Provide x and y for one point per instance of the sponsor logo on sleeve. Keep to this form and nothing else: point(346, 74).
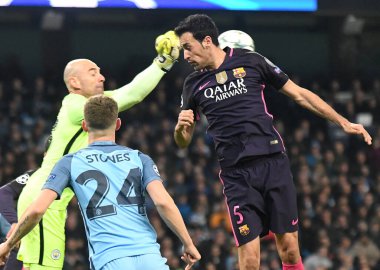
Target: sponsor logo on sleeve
point(51, 176)
point(22, 179)
point(156, 170)
point(276, 68)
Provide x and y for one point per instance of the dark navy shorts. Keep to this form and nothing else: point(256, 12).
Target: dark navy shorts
point(260, 196)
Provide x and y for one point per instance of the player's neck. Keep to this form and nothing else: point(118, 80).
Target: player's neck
point(218, 57)
point(96, 138)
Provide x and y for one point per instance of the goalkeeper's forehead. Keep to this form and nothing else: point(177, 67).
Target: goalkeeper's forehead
point(81, 66)
point(87, 65)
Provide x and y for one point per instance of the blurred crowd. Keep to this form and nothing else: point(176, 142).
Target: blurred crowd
point(336, 176)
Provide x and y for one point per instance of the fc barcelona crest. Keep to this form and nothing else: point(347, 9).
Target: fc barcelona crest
point(221, 77)
point(244, 230)
point(239, 72)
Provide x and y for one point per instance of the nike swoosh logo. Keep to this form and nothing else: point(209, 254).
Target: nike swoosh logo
point(294, 222)
point(204, 85)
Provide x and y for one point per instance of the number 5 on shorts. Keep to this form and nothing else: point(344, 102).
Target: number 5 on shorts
point(236, 213)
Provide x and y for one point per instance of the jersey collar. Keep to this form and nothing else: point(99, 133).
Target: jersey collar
point(100, 143)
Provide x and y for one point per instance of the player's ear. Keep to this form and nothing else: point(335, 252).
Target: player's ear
point(74, 83)
point(84, 126)
point(118, 124)
point(207, 41)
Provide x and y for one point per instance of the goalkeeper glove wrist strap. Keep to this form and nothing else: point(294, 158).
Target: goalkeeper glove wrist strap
point(165, 62)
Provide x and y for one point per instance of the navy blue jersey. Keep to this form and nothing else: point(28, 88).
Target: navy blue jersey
point(232, 99)
point(9, 194)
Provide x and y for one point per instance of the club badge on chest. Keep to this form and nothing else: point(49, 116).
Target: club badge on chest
point(221, 77)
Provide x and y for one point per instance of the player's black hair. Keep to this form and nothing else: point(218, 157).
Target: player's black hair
point(200, 25)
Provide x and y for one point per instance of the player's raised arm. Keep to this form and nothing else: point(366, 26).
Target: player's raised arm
point(167, 47)
point(315, 104)
point(172, 217)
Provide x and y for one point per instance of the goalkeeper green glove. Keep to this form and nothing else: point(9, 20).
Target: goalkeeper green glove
point(167, 47)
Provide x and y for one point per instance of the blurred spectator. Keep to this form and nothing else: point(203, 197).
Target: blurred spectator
point(219, 217)
point(366, 251)
point(318, 260)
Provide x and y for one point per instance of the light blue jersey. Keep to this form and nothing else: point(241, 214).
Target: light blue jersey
point(4, 226)
point(109, 181)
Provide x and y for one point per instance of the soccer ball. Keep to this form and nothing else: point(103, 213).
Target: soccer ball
point(236, 39)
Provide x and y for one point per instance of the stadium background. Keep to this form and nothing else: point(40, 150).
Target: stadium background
point(334, 51)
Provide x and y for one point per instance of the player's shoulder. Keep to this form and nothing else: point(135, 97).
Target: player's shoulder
point(260, 58)
point(193, 80)
point(253, 59)
point(24, 178)
point(68, 157)
point(123, 148)
point(30, 172)
point(73, 99)
point(64, 163)
point(109, 93)
point(127, 149)
point(143, 156)
point(192, 77)
point(246, 54)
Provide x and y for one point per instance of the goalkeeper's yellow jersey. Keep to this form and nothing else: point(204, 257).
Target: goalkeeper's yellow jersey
point(68, 136)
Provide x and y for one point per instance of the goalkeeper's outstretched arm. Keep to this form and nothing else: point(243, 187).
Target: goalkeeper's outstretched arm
point(167, 47)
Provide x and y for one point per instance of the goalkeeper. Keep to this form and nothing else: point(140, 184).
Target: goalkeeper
point(44, 246)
